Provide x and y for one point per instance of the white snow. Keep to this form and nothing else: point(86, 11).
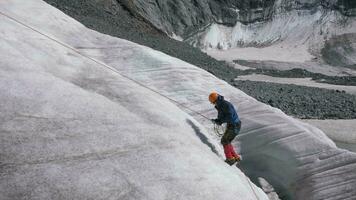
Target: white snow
point(283, 53)
point(176, 37)
point(72, 129)
point(284, 62)
point(297, 81)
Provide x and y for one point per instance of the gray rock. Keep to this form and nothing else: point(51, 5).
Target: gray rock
point(173, 16)
point(184, 17)
point(340, 51)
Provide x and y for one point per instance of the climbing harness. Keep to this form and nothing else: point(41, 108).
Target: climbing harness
point(218, 129)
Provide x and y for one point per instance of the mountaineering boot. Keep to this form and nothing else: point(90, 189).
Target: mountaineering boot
point(231, 156)
point(233, 153)
point(231, 161)
point(238, 157)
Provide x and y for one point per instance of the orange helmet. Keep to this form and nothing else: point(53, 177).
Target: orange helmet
point(213, 97)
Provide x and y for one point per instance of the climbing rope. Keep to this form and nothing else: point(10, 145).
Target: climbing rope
point(254, 192)
point(102, 64)
point(217, 128)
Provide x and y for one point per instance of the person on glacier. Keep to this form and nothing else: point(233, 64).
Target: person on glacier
point(227, 114)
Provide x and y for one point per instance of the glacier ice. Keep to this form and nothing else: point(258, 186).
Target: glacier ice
point(72, 129)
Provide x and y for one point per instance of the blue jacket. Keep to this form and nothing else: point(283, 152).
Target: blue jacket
point(226, 112)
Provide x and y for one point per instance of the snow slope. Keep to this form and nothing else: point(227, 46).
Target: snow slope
point(297, 81)
point(71, 128)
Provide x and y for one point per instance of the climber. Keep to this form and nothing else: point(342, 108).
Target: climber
point(227, 114)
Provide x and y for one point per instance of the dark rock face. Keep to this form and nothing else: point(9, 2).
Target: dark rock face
point(184, 17)
point(255, 10)
point(340, 51)
point(347, 7)
point(172, 16)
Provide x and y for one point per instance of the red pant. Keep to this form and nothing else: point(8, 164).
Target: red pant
point(230, 152)
point(229, 135)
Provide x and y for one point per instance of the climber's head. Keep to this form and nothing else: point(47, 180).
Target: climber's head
point(213, 97)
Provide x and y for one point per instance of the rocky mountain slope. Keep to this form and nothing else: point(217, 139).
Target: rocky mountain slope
point(184, 17)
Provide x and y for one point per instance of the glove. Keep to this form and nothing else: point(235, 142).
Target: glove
point(216, 121)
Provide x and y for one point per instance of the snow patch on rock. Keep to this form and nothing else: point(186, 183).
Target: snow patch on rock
point(293, 36)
